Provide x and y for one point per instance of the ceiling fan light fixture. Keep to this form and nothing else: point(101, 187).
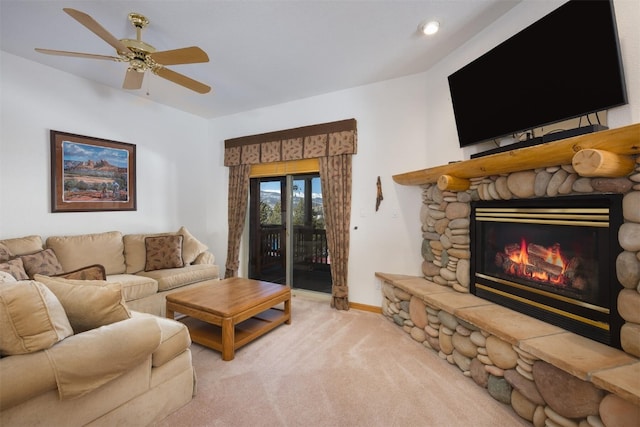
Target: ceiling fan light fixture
point(429, 28)
point(138, 65)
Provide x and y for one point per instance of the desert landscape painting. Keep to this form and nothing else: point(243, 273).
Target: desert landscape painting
point(93, 173)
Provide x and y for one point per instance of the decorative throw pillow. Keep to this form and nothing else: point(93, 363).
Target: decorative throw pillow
point(89, 303)
point(5, 253)
point(163, 252)
point(6, 277)
point(43, 262)
point(135, 251)
point(191, 247)
point(91, 272)
point(15, 268)
point(31, 318)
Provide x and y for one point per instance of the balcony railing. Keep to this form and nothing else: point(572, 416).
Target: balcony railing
point(309, 246)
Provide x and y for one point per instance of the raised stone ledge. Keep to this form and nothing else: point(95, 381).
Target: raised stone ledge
point(607, 368)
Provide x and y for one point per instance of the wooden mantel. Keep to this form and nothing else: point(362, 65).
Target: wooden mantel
point(606, 153)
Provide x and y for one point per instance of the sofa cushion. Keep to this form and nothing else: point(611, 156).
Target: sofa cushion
point(135, 252)
point(74, 252)
point(5, 253)
point(175, 338)
point(134, 286)
point(31, 318)
point(175, 277)
point(91, 272)
point(89, 303)
point(15, 267)
point(163, 252)
point(44, 262)
point(24, 245)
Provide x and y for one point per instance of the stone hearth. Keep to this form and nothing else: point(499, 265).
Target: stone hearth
point(514, 356)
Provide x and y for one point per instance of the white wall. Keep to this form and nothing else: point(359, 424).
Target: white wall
point(628, 19)
point(440, 115)
point(391, 139)
point(169, 147)
point(403, 125)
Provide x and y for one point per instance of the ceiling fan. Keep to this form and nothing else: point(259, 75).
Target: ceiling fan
point(140, 55)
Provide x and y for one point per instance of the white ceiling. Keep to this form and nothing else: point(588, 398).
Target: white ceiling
point(261, 53)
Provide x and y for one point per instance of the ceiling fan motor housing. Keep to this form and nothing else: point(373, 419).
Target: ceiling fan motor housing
point(138, 56)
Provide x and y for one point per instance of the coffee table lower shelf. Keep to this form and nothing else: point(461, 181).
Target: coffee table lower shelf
point(210, 335)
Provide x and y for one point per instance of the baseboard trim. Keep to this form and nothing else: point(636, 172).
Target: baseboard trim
point(327, 297)
point(365, 307)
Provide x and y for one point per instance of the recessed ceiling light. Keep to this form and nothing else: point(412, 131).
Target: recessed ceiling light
point(430, 28)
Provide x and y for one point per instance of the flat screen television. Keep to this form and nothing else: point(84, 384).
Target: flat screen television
point(563, 66)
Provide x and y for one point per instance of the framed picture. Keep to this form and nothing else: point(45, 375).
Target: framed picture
point(91, 174)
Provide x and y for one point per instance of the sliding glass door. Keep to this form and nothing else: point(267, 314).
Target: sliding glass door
point(288, 243)
point(311, 264)
point(267, 233)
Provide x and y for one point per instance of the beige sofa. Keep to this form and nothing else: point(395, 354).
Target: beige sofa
point(77, 350)
point(125, 260)
point(69, 363)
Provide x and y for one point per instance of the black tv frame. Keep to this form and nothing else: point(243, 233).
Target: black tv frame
point(467, 84)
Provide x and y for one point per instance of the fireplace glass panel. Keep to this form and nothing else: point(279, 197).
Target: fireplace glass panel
point(562, 260)
point(552, 259)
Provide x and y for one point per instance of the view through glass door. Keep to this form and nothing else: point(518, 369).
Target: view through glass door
point(288, 243)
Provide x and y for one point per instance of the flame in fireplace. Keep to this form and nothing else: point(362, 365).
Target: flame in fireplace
point(530, 266)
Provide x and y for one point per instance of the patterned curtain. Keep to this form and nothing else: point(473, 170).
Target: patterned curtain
point(335, 177)
point(238, 195)
point(333, 144)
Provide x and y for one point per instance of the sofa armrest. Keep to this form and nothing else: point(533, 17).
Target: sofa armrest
point(23, 377)
point(86, 361)
point(205, 257)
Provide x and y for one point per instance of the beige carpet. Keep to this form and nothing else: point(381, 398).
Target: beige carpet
point(336, 368)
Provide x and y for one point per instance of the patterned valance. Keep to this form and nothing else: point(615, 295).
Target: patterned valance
point(308, 142)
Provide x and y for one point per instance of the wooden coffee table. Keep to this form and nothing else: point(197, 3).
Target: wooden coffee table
point(227, 314)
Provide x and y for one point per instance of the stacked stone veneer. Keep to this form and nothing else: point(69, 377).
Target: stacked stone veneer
point(537, 391)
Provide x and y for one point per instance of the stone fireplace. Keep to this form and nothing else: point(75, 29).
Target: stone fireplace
point(549, 374)
point(551, 258)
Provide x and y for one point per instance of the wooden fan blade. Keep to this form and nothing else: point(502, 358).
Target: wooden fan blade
point(187, 55)
point(93, 26)
point(182, 80)
point(77, 54)
point(133, 79)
